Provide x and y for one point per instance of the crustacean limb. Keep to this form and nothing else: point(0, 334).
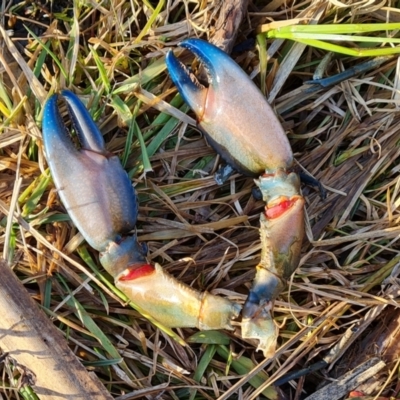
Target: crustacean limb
point(101, 202)
point(241, 126)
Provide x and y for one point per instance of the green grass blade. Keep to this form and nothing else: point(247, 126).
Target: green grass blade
point(344, 38)
point(15, 112)
point(103, 73)
point(89, 324)
point(199, 166)
point(98, 334)
point(209, 337)
point(52, 55)
point(5, 98)
point(47, 293)
point(334, 28)
point(102, 363)
point(4, 110)
point(130, 119)
point(163, 118)
point(355, 52)
point(35, 192)
point(126, 116)
point(27, 393)
point(39, 64)
point(151, 20)
point(145, 157)
point(143, 77)
point(204, 362)
point(169, 125)
point(316, 36)
point(54, 218)
point(243, 366)
point(123, 111)
point(262, 51)
point(128, 143)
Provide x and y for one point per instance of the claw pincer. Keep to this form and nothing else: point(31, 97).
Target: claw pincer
point(101, 201)
point(241, 126)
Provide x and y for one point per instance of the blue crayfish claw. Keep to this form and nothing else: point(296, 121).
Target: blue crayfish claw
point(102, 204)
point(92, 184)
point(241, 126)
point(231, 111)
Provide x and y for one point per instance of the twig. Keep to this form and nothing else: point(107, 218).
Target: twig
point(349, 381)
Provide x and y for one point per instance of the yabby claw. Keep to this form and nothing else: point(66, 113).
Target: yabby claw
point(231, 111)
point(101, 201)
point(241, 126)
point(91, 182)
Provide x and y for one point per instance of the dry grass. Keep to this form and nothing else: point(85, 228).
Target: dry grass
point(344, 294)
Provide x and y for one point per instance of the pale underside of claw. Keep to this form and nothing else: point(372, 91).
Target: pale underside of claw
point(233, 113)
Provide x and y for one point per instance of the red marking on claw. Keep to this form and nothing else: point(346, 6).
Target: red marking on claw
point(279, 209)
point(356, 393)
point(133, 273)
